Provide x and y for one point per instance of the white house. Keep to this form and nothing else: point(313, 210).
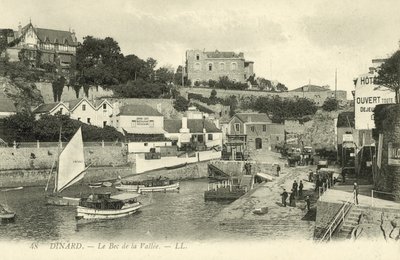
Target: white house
point(96, 112)
point(138, 119)
point(51, 109)
point(199, 133)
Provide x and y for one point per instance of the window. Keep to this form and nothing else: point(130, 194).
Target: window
point(252, 128)
point(88, 120)
point(264, 128)
point(104, 123)
point(277, 138)
point(61, 110)
point(104, 106)
point(83, 107)
point(146, 144)
point(151, 123)
point(210, 66)
point(142, 121)
point(237, 127)
point(221, 66)
point(197, 57)
point(197, 66)
point(79, 119)
point(210, 137)
point(233, 66)
point(133, 123)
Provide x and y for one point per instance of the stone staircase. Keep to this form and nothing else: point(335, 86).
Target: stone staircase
point(350, 221)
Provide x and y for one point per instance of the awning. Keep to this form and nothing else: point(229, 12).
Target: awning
point(265, 176)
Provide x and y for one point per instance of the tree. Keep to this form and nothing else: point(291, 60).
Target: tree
point(20, 126)
point(389, 75)
point(165, 75)
point(97, 61)
point(281, 87)
point(58, 87)
point(181, 104)
point(330, 104)
point(213, 94)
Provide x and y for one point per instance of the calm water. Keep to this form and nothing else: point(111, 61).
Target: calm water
point(183, 215)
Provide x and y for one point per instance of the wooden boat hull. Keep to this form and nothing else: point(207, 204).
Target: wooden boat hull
point(129, 188)
point(223, 195)
point(7, 216)
point(62, 201)
point(84, 213)
point(171, 187)
point(175, 166)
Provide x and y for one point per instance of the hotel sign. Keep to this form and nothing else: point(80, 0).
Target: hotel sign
point(367, 96)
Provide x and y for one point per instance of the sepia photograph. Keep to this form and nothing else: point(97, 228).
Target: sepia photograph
point(198, 129)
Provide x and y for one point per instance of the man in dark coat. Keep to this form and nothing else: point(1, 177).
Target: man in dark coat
point(355, 191)
point(278, 170)
point(284, 197)
point(301, 189)
point(292, 201)
point(294, 188)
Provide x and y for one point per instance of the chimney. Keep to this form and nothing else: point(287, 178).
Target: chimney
point(184, 128)
point(19, 29)
point(73, 35)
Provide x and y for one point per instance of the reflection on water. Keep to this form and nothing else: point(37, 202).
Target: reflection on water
point(183, 215)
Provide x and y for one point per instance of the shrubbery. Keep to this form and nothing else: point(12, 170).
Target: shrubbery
point(24, 128)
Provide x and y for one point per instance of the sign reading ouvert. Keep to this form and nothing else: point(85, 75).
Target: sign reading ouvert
point(367, 96)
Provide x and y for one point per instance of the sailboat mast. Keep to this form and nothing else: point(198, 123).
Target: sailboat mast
point(58, 161)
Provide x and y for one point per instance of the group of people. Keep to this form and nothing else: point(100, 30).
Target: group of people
point(296, 192)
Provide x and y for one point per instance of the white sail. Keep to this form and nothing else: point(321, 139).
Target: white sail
point(71, 163)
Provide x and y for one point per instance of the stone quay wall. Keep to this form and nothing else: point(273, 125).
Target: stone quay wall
point(39, 177)
point(190, 171)
point(236, 168)
point(43, 157)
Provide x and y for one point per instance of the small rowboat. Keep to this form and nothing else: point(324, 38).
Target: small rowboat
point(6, 215)
point(95, 185)
point(261, 211)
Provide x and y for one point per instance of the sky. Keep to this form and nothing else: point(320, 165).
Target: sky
point(294, 42)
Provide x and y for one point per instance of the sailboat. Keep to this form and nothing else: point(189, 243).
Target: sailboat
point(71, 169)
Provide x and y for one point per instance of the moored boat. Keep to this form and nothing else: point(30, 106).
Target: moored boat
point(158, 185)
point(6, 214)
point(104, 206)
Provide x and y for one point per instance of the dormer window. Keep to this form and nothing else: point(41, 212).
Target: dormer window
point(210, 66)
point(197, 57)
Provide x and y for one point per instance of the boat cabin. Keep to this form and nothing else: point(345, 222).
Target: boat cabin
point(106, 201)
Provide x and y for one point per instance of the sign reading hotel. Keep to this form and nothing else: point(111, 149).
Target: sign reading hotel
point(367, 96)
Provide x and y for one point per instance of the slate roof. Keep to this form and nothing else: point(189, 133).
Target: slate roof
point(6, 104)
point(195, 126)
point(138, 110)
point(53, 36)
point(309, 88)
point(253, 117)
point(45, 108)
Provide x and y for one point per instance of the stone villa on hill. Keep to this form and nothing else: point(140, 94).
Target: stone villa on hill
point(204, 66)
point(43, 46)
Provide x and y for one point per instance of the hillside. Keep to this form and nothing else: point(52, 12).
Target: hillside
point(24, 94)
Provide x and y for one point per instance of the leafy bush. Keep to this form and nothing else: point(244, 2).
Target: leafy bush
point(181, 104)
point(330, 104)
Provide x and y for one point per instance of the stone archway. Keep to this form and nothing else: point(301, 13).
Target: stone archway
point(258, 143)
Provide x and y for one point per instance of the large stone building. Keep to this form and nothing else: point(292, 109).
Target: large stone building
point(202, 66)
point(39, 46)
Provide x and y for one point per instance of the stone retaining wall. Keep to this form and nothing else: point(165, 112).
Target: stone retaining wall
point(43, 158)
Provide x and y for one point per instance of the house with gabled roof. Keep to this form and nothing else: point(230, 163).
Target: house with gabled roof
point(51, 109)
point(41, 46)
point(7, 107)
point(137, 119)
point(247, 132)
point(199, 134)
point(96, 112)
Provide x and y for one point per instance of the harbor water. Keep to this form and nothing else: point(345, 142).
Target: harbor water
point(165, 216)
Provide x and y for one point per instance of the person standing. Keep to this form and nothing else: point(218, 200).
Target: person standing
point(310, 176)
point(308, 203)
point(294, 187)
point(284, 197)
point(355, 191)
point(301, 189)
point(292, 201)
point(278, 170)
